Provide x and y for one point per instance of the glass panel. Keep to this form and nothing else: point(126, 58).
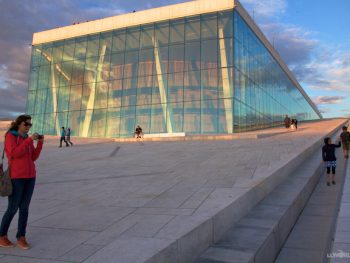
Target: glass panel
point(63, 99)
point(61, 119)
point(193, 56)
point(113, 123)
point(175, 116)
point(193, 28)
point(115, 93)
point(209, 55)
point(75, 96)
point(144, 90)
point(93, 46)
point(131, 64)
point(38, 123)
point(44, 76)
point(147, 36)
point(57, 52)
point(158, 118)
point(161, 60)
point(129, 92)
point(90, 72)
point(143, 118)
point(51, 100)
point(192, 86)
point(177, 31)
point(106, 42)
point(209, 26)
point(146, 62)
point(160, 87)
point(65, 73)
point(225, 52)
point(68, 50)
point(127, 122)
point(49, 126)
point(192, 117)
point(46, 54)
point(209, 84)
point(175, 87)
point(225, 112)
point(209, 116)
point(119, 38)
point(40, 101)
point(74, 120)
point(33, 78)
point(98, 123)
point(78, 72)
point(30, 102)
point(225, 83)
point(162, 33)
point(176, 58)
point(225, 24)
point(36, 56)
point(101, 95)
point(133, 38)
point(117, 65)
point(80, 48)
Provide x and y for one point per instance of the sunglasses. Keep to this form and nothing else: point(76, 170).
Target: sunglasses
point(26, 124)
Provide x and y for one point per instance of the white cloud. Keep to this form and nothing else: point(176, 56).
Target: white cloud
point(266, 8)
point(326, 100)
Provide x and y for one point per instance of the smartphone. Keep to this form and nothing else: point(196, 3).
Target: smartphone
point(40, 136)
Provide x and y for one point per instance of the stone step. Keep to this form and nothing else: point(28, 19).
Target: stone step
point(259, 236)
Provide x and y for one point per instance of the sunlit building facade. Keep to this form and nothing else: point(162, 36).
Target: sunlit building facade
point(207, 70)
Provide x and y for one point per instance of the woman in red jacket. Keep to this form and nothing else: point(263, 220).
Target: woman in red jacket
point(21, 155)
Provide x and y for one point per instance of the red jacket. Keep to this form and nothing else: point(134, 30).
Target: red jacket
point(21, 155)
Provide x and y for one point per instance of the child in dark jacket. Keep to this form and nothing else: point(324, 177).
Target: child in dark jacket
point(328, 156)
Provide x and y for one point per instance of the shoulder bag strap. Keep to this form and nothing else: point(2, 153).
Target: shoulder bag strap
point(3, 150)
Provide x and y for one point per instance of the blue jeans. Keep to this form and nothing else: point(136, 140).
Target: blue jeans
point(20, 199)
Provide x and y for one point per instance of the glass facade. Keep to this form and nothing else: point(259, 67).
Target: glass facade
point(206, 74)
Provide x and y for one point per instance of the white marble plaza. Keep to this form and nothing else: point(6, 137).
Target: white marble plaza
point(103, 201)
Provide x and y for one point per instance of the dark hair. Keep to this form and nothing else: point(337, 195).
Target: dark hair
point(326, 140)
point(15, 124)
point(344, 128)
point(62, 127)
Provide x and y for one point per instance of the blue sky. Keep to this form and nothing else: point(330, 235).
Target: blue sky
point(312, 37)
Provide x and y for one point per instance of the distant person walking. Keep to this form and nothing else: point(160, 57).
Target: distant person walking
point(345, 139)
point(63, 137)
point(328, 156)
point(296, 124)
point(21, 155)
point(287, 122)
point(68, 137)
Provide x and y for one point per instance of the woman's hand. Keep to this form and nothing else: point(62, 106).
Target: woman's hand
point(35, 136)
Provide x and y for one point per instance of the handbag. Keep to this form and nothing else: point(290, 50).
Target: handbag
point(5, 178)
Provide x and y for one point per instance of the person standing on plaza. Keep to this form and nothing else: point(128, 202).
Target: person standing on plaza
point(21, 155)
point(345, 139)
point(328, 156)
point(296, 124)
point(63, 137)
point(287, 122)
point(68, 137)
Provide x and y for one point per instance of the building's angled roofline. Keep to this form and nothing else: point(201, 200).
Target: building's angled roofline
point(244, 14)
point(162, 14)
point(133, 19)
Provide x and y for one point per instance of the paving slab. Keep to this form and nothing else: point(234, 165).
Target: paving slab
point(48, 243)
